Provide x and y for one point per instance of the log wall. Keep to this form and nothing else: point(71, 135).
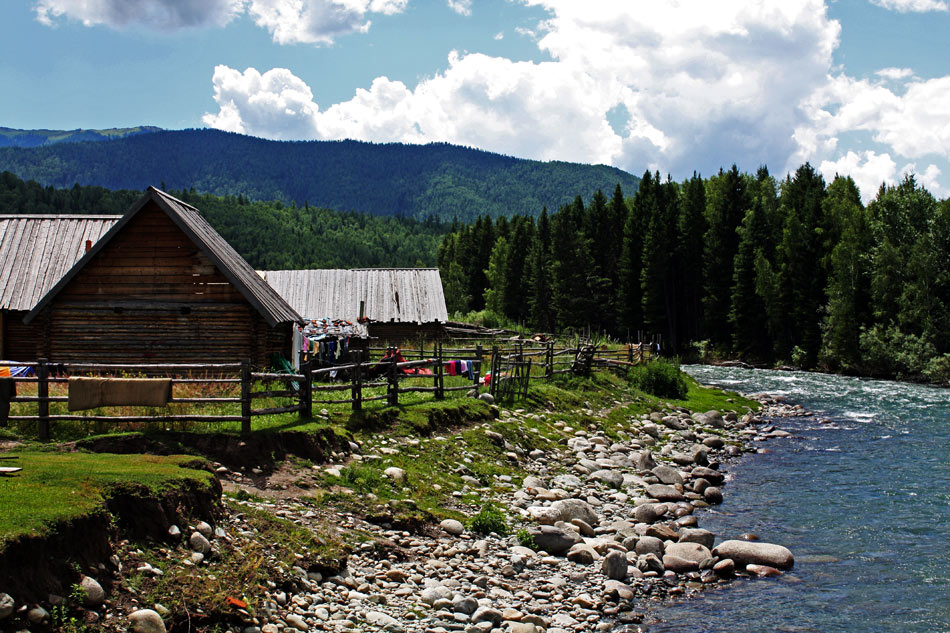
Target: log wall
point(151, 295)
point(19, 341)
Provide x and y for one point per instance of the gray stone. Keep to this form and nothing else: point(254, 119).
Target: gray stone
point(174, 532)
point(668, 475)
point(520, 627)
point(649, 545)
point(614, 565)
point(644, 460)
point(649, 512)
point(146, 621)
point(679, 565)
point(582, 554)
point(689, 551)
point(6, 605)
point(205, 529)
point(568, 482)
point(398, 475)
point(726, 568)
point(554, 540)
point(453, 527)
point(380, 619)
point(712, 495)
point(37, 615)
point(616, 590)
point(92, 592)
point(487, 398)
point(714, 442)
point(545, 515)
point(464, 604)
point(762, 571)
point(650, 562)
point(431, 594)
point(663, 492)
point(199, 543)
point(749, 553)
point(487, 614)
point(297, 622)
point(570, 509)
point(610, 477)
point(713, 476)
point(703, 537)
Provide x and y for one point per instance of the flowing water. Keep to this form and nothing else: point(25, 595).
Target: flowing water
point(862, 500)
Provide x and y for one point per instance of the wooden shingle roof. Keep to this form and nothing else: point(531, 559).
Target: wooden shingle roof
point(37, 250)
point(402, 295)
point(234, 267)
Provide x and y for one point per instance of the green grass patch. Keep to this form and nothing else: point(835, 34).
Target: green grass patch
point(56, 487)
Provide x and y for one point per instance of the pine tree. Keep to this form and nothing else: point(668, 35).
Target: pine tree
point(540, 308)
point(689, 258)
point(726, 204)
point(658, 294)
point(631, 260)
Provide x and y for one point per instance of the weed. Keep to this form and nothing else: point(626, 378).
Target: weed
point(660, 378)
point(526, 539)
point(489, 519)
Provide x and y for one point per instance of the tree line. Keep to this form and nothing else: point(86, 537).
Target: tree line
point(736, 265)
point(269, 235)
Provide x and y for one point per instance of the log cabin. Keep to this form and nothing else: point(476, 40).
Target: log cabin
point(162, 286)
point(35, 252)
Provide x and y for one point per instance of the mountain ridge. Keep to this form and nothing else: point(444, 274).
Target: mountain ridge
point(434, 180)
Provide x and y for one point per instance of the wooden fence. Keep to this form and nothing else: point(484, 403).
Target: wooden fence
point(512, 366)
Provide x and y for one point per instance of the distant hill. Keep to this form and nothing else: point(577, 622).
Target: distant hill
point(10, 137)
point(436, 180)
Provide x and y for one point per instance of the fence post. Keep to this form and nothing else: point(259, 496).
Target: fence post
point(479, 352)
point(357, 393)
point(493, 384)
point(245, 396)
point(392, 388)
point(306, 390)
point(439, 374)
point(42, 391)
point(549, 360)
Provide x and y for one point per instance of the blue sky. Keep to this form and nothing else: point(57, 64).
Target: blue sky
point(853, 86)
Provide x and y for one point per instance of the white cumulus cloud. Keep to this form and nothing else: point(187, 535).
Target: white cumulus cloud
point(462, 7)
point(288, 21)
point(916, 6)
point(160, 14)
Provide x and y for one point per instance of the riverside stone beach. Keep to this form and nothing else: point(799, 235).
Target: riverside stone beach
point(859, 493)
point(604, 525)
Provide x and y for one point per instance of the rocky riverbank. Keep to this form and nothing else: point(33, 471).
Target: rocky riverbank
point(599, 527)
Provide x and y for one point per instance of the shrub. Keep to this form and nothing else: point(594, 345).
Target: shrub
point(525, 539)
point(660, 378)
point(489, 519)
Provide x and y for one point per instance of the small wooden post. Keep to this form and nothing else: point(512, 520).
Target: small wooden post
point(493, 385)
point(42, 391)
point(439, 373)
point(245, 396)
point(549, 360)
point(357, 392)
point(477, 370)
point(306, 391)
point(392, 389)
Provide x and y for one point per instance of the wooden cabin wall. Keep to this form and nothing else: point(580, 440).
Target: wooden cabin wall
point(151, 296)
point(20, 341)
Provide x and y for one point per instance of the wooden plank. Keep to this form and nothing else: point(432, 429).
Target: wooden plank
point(7, 470)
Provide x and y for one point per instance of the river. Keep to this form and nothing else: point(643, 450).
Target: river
point(862, 500)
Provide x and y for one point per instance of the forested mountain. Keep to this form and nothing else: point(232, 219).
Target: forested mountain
point(440, 180)
point(739, 265)
point(270, 235)
point(10, 137)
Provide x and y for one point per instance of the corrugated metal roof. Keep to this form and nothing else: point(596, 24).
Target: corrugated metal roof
point(234, 267)
point(406, 295)
point(37, 250)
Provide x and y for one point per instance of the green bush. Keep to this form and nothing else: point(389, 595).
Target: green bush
point(526, 539)
point(660, 378)
point(489, 519)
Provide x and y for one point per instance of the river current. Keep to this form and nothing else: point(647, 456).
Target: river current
point(862, 500)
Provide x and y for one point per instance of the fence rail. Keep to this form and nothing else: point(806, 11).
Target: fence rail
point(511, 367)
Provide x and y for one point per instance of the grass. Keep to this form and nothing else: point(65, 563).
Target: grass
point(56, 487)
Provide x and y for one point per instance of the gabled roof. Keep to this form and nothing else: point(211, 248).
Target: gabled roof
point(37, 250)
point(404, 295)
point(235, 269)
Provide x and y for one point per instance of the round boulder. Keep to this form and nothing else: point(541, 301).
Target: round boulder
point(570, 509)
point(452, 527)
point(755, 553)
point(146, 621)
point(614, 565)
point(92, 592)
